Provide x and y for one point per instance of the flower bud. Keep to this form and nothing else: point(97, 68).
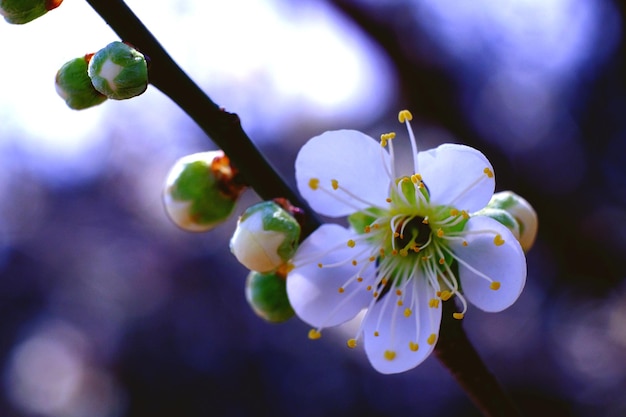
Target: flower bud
point(74, 85)
point(119, 71)
point(200, 191)
point(266, 237)
point(267, 295)
point(523, 213)
point(23, 11)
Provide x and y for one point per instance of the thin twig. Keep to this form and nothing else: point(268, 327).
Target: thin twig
point(222, 127)
point(455, 352)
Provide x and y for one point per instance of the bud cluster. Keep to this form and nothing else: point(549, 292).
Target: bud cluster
point(118, 71)
point(19, 12)
point(265, 240)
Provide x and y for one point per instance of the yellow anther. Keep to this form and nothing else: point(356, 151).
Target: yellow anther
point(454, 212)
point(375, 294)
point(335, 184)
point(314, 183)
point(433, 303)
point(382, 251)
point(400, 303)
point(425, 221)
point(367, 229)
point(314, 334)
point(376, 334)
point(445, 295)
point(416, 249)
point(360, 279)
point(386, 137)
point(341, 290)
point(465, 214)
point(404, 116)
point(396, 234)
point(413, 346)
point(440, 232)
point(442, 261)
point(390, 355)
point(376, 226)
point(384, 281)
point(351, 343)
point(394, 252)
point(498, 241)
point(488, 172)
point(404, 252)
point(351, 243)
point(495, 285)
point(432, 339)
point(369, 288)
point(438, 293)
point(398, 293)
point(371, 258)
point(407, 312)
point(354, 262)
point(465, 243)
point(458, 316)
point(320, 265)
point(388, 200)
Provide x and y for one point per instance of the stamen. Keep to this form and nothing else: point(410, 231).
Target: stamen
point(314, 334)
point(314, 183)
point(458, 316)
point(413, 346)
point(495, 285)
point(351, 343)
point(488, 172)
point(351, 243)
point(404, 116)
point(432, 339)
point(390, 355)
point(407, 312)
point(498, 241)
point(334, 184)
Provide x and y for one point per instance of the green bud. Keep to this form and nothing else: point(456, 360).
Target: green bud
point(74, 85)
point(119, 71)
point(522, 212)
point(200, 191)
point(23, 11)
point(266, 237)
point(267, 295)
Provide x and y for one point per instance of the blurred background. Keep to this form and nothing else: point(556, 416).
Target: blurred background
point(108, 310)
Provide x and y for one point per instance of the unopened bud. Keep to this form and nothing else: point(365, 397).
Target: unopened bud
point(201, 191)
point(267, 295)
point(523, 213)
point(119, 71)
point(266, 237)
point(74, 85)
point(23, 11)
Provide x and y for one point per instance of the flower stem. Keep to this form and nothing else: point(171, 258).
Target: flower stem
point(222, 127)
point(455, 351)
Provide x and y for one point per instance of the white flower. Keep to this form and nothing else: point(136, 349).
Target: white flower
point(412, 243)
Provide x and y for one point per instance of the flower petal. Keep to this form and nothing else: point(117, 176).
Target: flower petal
point(314, 292)
point(457, 175)
point(351, 158)
point(500, 259)
point(403, 339)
